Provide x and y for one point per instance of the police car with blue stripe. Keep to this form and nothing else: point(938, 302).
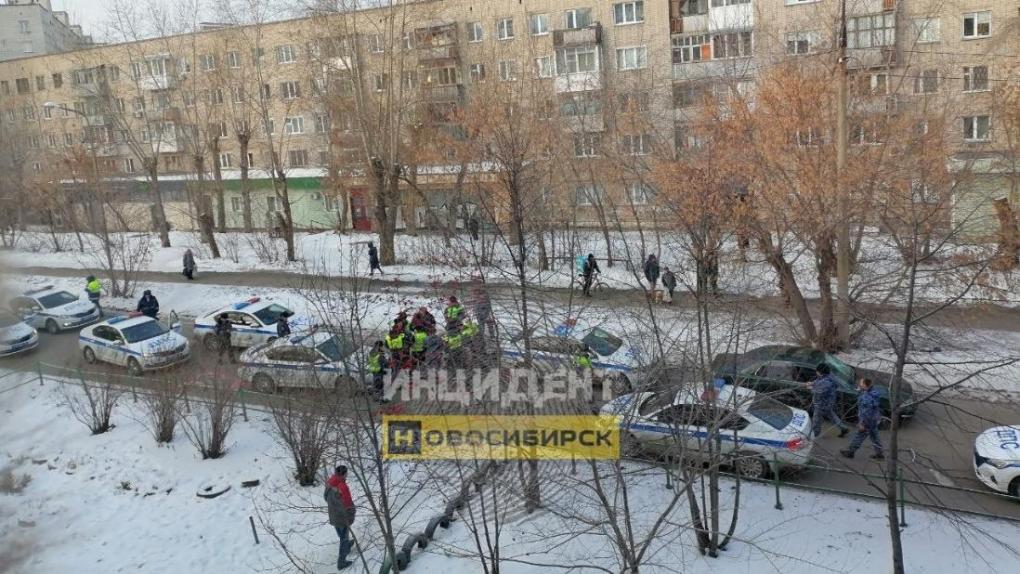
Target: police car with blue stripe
point(314, 360)
point(16, 336)
point(135, 341)
point(997, 459)
point(753, 430)
point(53, 309)
point(254, 322)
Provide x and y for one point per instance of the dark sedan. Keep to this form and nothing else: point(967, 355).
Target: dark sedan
point(783, 371)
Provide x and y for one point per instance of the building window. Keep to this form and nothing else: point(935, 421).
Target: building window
point(23, 86)
point(233, 59)
point(68, 140)
point(235, 204)
point(544, 67)
point(129, 165)
point(634, 102)
point(476, 32)
point(40, 83)
point(879, 84)
point(926, 30)
point(376, 44)
point(586, 144)
point(977, 128)
point(629, 12)
point(927, 82)
point(286, 54)
point(251, 160)
point(799, 43)
point(864, 135)
point(290, 90)
point(297, 158)
point(688, 94)
point(51, 140)
point(271, 203)
point(975, 78)
point(23, 27)
point(631, 58)
point(871, 31)
point(577, 18)
point(323, 156)
point(589, 194)
point(208, 62)
point(636, 144)
point(977, 24)
point(688, 49)
point(807, 137)
point(409, 79)
point(266, 92)
point(5, 88)
point(538, 24)
point(731, 45)
point(215, 97)
point(407, 42)
point(576, 59)
point(294, 125)
point(47, 113)
point(321, 123)
point(221, 130)
point(507, 70)
point(581, 104)
point(29, 112)
point(226, 160)
point(640, 193)
point(505, 29)
point(720, 3)
point(476, 72)
point(380, 81)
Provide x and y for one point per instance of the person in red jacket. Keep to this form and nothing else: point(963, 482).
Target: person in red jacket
point(341, 512)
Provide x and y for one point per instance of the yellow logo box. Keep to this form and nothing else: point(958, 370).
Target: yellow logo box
point(500, 437)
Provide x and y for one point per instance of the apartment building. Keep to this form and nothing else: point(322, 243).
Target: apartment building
point(623, 79)
point(31, 27)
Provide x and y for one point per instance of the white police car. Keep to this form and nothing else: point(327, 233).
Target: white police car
point(134, 341)
point(754, 430)
point(54, 309)
point(16, 336)
point(997, 459)
point(254, 322)
point(317, 360)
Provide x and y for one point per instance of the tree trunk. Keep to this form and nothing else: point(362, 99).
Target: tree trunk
point(243, 140)
point(826, 265)
point(158, 212)
point(221, 207)
point(386, 201)
point(1007, 255)
point(788, 284)
point(283, 196)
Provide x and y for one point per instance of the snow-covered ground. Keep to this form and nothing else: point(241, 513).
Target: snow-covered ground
point(118, 503)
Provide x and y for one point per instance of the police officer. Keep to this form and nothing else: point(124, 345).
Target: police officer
point(454, 313)
point(396, 342)
point(283, 326)
point(148, 305)
point(869, 414)
point(473, 343)
point(94, 289)
point(418, 340)
point(224, 329)
point(582, 361)
point(454, 339)
point(377, 368)
point(588, 271)
point(823, 399)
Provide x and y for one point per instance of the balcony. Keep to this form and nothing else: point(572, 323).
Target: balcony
point(154, 83)
point(579, 82)
point(738, 16)
point(438, 55)
point(578, 37)
point(863, 58)
point(865, 7)
point(588, 123)
point(446, 93)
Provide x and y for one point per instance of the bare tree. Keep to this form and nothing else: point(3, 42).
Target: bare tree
point(208, 426)
point(305, 428)
point(162, 408)
point(92, 404)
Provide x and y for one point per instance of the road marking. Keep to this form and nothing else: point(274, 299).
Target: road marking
point(941, 478)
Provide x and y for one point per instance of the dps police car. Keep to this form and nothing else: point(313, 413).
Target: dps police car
point(135, 341)
point(319, 359)
point(754, 430)
point(997, 459)
point(15, 335)
point(254, 322)
point(53, 309)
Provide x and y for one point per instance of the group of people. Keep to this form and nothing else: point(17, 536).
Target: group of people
point(869, 411)
point(651, 271)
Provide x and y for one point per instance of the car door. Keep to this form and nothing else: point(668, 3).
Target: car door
point(26, 308)
point(282, 366)
point(682, 431)
point(245, 329)
point(777, 379)
point(730, 425)
point(109, 351)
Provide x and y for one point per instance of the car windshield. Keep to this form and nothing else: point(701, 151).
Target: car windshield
point(143, 331)
point(271, 314)
point(774, 413)
point(335, 348)
point(843, 370)
point(602, 342)
point(56, 299)
point(8, 320)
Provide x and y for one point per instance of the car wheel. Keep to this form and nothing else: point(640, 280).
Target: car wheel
point(51, 327)
point(134, 368)
point(1014, 488)
point(629, 446)
point(263, 383)
point(751, 465)
point(89, 355)
point(270, 340)
point(211, 343)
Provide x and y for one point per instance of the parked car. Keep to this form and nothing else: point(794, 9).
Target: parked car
point(254, 323)
point(997, 459)
point(754, 430)
point(54, 309)
point(317, 360)
point(16, 336)
point(134, 341)
point(784, 371)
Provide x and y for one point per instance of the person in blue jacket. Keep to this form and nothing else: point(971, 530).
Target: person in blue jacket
point(869, 414)
point(823, 398)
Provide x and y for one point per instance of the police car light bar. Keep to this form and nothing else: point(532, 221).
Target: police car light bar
point(38, 290)
point(245, 303)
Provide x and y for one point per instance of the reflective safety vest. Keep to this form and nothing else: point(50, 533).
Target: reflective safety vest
point(453, 341)
point(395, 343)
point(583, 361)
point(375, 363)
point(94, 287)
point(419, 342)
point(470, 330)
point(453, 312)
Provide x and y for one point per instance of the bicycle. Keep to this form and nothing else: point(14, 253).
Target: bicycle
point(597, 285)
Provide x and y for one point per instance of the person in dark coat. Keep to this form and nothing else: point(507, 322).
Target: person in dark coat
point(591, 267)
point(340, 506)
point(423, 320)
point(373, 259)
point(148, 305)
point(224, 329)
point(869, 415)
point(283, 326)
point(823, 399)
point(473, 227)
point(652, 270)
point(189, 265)
point(669, 282)
point(483, 311)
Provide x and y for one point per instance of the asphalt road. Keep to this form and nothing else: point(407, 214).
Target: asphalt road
point(937, 444)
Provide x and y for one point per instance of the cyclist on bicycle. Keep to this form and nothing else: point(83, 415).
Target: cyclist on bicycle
point(591, 267)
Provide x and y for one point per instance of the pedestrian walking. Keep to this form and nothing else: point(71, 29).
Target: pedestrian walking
point(669, 282)
point(189, 265)
point(94, 289)
point(823, 399)
point(373, 259)
point(869, 415)
point(591, 267)
point(473, 227)
point(340, 506)
point(483, 311)
point(148, 305)
point(224, 330)
point(652, 270)
point(283, 326)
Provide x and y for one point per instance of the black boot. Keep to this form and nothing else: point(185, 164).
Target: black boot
point(843, 432)
point(878, 456)
point(847, 453)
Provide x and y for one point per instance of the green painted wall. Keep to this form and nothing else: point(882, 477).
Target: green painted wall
point(307, 203)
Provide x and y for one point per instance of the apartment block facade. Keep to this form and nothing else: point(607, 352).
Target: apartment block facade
point(154, 105)
point(31, 27)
